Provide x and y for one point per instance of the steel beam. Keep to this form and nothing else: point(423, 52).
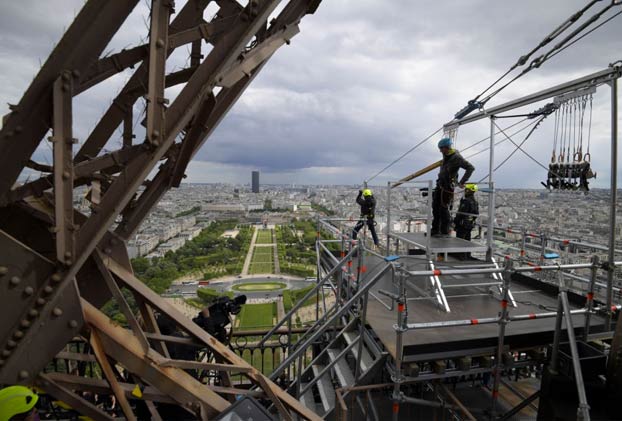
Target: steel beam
point(65, 395)
point(110, 375)
point(195, 331)
point(594, 79)
point(63, 168)
point(134, 88)
point(82, 44)
point(158, 51)
point(122, 346)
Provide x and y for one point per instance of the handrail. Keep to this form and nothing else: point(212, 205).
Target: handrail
point(301, 347)
point(492, 320)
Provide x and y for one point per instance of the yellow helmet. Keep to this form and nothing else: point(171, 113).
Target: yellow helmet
point(367, 192)
point(16, 400)
point(471, 187)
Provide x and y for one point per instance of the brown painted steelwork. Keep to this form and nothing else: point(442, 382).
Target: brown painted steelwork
point(59, 266)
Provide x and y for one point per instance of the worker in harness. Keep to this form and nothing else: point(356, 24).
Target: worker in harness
point(442, 197)
point(367, 202)
point(467, 212)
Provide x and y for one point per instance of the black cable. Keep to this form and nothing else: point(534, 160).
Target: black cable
point(537, 62)
point(403, 155)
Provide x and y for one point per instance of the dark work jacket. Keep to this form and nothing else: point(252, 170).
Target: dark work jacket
point(448, 174)
point(468, 205)
point(368, 205)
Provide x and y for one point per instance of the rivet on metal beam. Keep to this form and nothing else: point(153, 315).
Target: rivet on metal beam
point(11, 344)
point(75, 73)
point(40, 301)
point(107, 250)
point(56, 277)
point(28, 291)
point(18, 334)
point(19, 129)
point(160, 43)
point(72, 324)
point(15, 280)
point(48, 290)
point(66, 175)
point(57, 312)
point(3, 270)
point(6, 353)
point(24, 374)
point(32, 313)
point(24, 323)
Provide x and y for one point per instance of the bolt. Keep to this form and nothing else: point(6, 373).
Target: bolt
point(68, 262)
point(65, 87)
point(19, 129)
point(67, 254)
point(57, 312)
point(3, 270)
point(40, 301)
point(56, 277)
point(72, 324)
point(18, 334)
point(75, 73)
point(11, 344)
point(107, 250)
point(24, 323)
point(29, 291)
point(32, 313)
point(160, 43)
point(24, 374)
point(48, 290)
point(65, 76)
point(15, 280)
point(6, 353)
point(66, 175)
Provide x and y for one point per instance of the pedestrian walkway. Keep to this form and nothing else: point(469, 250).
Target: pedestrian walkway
point(249, 255)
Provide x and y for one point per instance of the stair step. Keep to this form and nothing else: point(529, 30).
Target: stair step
point(342, 370)
point(325, 387)
point(366, 360)
point(307, 399)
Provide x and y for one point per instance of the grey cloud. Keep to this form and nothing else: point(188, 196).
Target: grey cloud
point(361, 83)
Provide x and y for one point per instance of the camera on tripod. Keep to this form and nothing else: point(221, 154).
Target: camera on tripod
point(215, 318)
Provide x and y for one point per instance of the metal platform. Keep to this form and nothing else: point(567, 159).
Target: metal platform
point(467, 303)
point(438, 245)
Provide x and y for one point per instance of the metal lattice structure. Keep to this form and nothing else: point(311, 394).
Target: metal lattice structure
point(59, 266)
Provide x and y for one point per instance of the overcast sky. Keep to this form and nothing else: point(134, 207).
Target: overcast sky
point(363, 82)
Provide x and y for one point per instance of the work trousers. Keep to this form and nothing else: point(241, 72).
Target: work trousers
point(370, 224)
point(442, 199)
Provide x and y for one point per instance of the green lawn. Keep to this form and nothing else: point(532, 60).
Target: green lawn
point(257, 268)
point(264, 236)
point(257, 316)
point(262, 261)
point(259, 286)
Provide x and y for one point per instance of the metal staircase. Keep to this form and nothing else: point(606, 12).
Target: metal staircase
point(338, 351)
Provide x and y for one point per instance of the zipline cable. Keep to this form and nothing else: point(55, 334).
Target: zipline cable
point(403, 155)
point(537, 62)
